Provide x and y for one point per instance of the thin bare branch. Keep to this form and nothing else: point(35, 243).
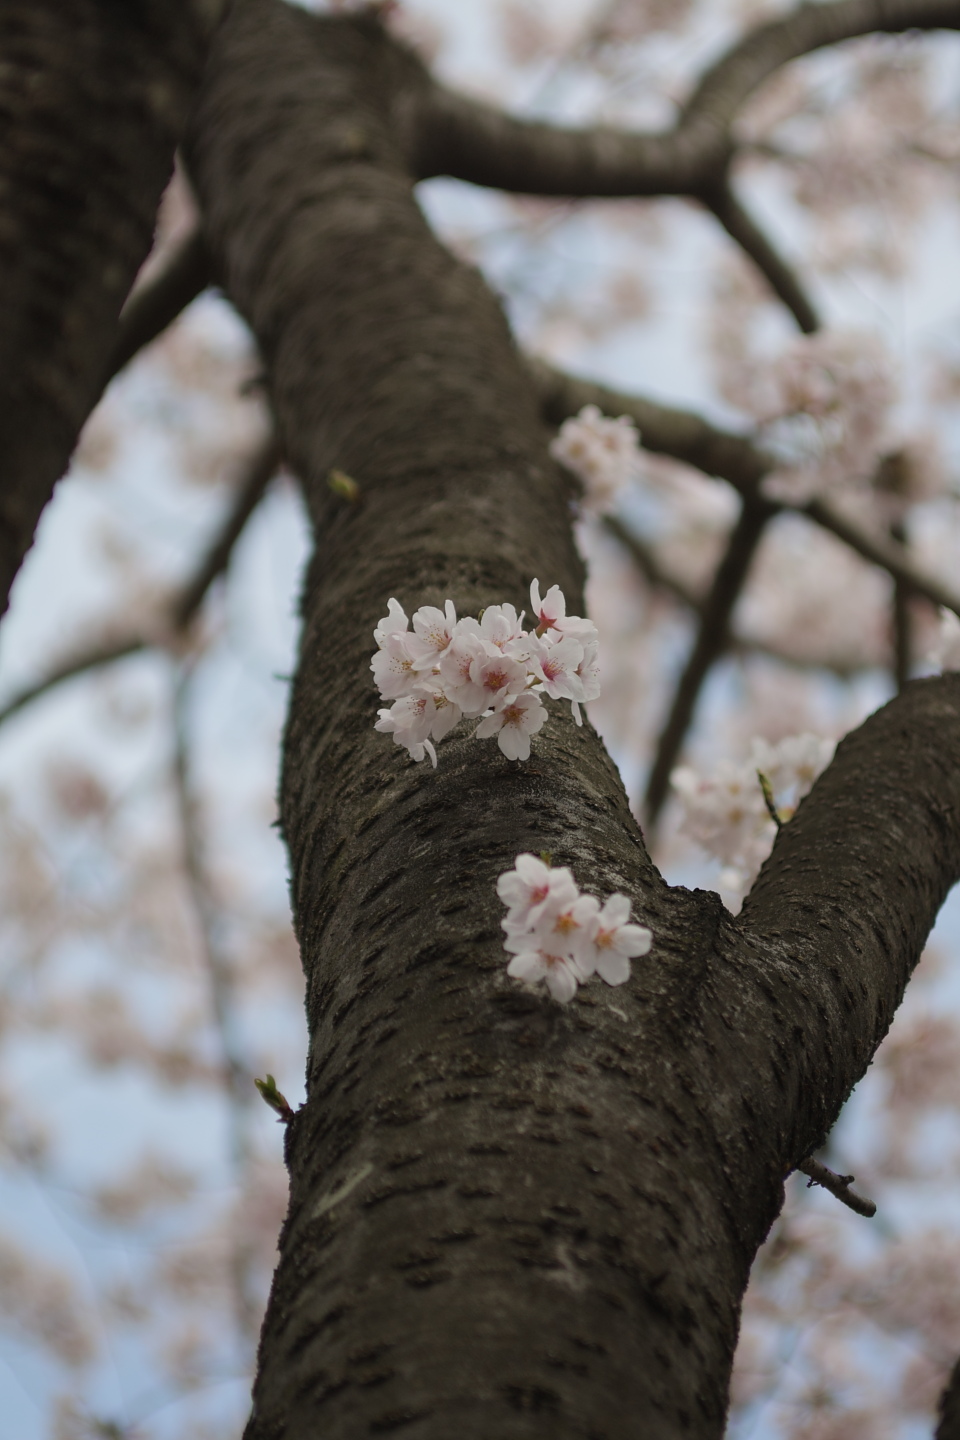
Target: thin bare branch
point(155, 305)
point(473, 141)
point(237, 1074)
point(888, 554)
point(713, 637)
point(654, 572)
point(742, 228)
point(80, 664)
point(261, 466)
point(838, 1185)
point(649, 565)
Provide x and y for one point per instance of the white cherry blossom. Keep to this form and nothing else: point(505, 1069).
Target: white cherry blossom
point(556, 665)
point(521, 717)
point(433, 632)
point(409, 721)
point(394, 622)
point(613, 942)
point(527, 888)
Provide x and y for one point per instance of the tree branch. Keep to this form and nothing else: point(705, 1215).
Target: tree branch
point(260, 468)
point(473, 141)
point(154, 306)
point(838, 1185)
point(236, 1073)
point(742, 228)
point(840, 912)
point(713, 636)
point(664, 429)
point(735, 458)
point(650, 567)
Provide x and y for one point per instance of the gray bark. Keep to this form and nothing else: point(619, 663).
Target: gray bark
point(93, 99)
point(507, 1217)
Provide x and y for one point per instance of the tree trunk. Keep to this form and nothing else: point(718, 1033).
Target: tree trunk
point(93, 99)
point(507, 1217)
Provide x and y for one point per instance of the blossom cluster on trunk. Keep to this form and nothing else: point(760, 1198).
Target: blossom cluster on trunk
point(446, 669)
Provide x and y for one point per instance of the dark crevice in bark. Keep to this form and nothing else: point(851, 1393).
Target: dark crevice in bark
point(93, 97)
point(506, 1217)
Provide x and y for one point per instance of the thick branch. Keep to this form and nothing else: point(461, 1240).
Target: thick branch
point(473, 141)
point(150, 309)
point(93, 97)
point(841, 910)
point(713, 636)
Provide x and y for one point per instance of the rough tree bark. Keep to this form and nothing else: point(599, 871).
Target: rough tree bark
point(93, 99)
point(508, 1217)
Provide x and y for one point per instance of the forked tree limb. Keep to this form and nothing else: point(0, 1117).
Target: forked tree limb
point(474, 141)
point(260, 468)
point(537, 1219)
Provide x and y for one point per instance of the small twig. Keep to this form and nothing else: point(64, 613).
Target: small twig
point(770, 802)
point(648, 564)
point(838, 1185)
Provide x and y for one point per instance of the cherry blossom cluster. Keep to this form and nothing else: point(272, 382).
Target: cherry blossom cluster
point(445, 669)
point(602, 452)
point(825, 405)
point(557, 935)
point(726, 812)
